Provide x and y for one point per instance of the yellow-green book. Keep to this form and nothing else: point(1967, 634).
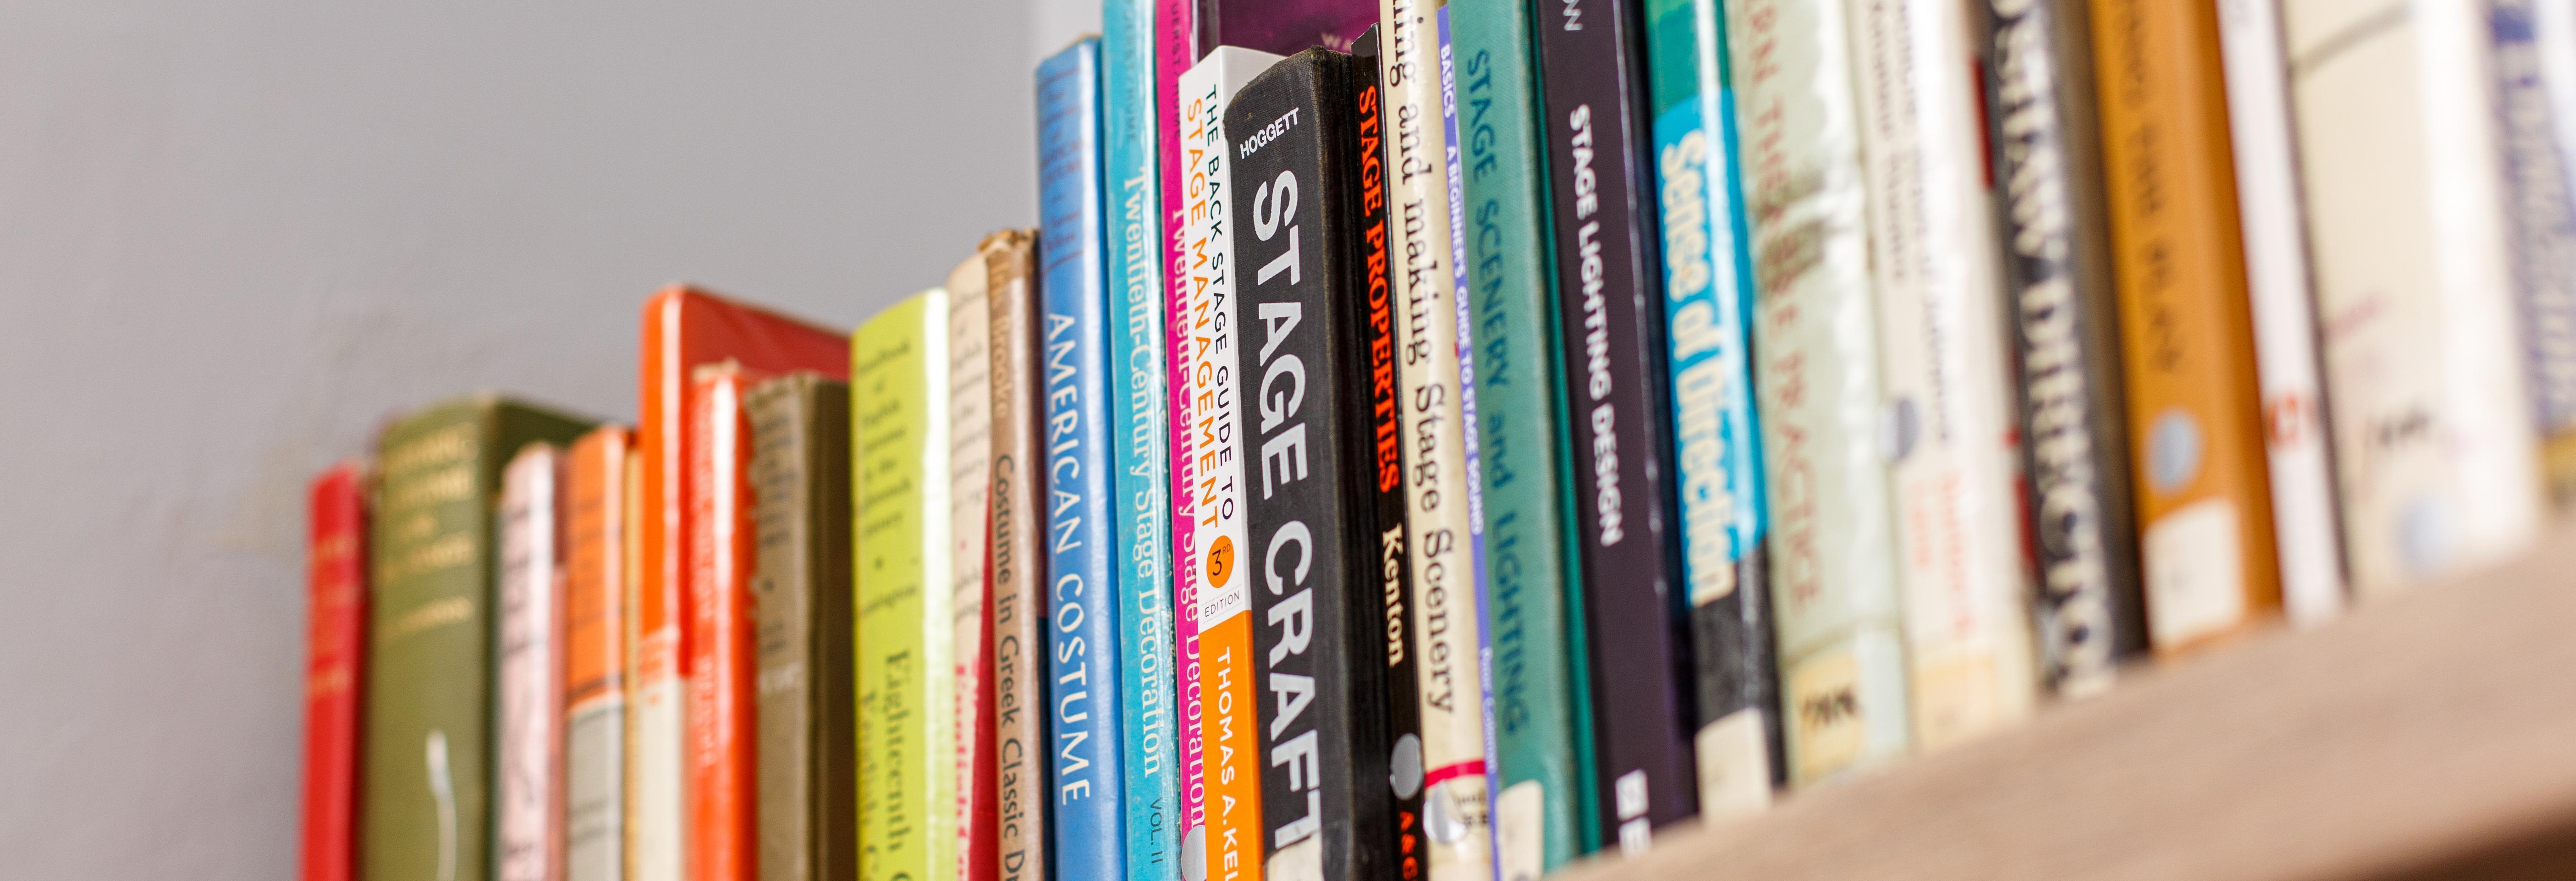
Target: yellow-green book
point(907, 689)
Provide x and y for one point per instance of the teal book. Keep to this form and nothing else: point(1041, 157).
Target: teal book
point(1544, 810)
point(1708, 312)
point(1139, 443)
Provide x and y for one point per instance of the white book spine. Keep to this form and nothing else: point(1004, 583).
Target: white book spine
point(1445, 618)
point(2285, 328)
point(1834, 583)
point(2488, 429)
point(970, 473)
point(1950, 426)
point(528, 776)
point(2396, 136)
point(1218, 498)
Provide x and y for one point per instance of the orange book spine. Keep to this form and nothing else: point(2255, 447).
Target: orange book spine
point(595, 602)
point(1229, 732)
point(2186, 327)
point(722, 785)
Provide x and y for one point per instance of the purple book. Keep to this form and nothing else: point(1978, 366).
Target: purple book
point(1284, 28)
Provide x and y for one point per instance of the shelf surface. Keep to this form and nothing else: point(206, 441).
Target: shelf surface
point(2427, 735)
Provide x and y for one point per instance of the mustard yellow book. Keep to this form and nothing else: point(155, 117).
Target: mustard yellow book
point(907, 688)
point(2204, 500)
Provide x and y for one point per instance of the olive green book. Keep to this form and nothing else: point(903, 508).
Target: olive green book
point(426, 812)
point(805, 759)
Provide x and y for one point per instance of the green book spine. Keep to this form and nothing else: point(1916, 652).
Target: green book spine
point(906, 685)
point(427, 784)
point(1544, 811)
point(800, 587)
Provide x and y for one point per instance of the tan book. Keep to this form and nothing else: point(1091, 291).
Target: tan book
point(1018, 596)
point(806, 776)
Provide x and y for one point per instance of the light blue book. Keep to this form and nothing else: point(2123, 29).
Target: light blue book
point(1082, 535)
point(1139, 422)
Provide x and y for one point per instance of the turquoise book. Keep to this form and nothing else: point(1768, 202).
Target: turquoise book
point(1140, 450)
point(1708, 311)
point(1544, 808)
point(1083, 664)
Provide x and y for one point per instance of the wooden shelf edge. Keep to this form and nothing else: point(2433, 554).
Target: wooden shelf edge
point(2420, 736)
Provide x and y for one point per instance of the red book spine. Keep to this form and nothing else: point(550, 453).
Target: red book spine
point(337, 576)
point(721, 705)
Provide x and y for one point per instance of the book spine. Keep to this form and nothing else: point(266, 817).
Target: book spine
point(2287, 378)
point(1834, 592)
point(1210, 473)
point(2543, 224)
point(1541, 767)
point(2203, 501)
point(1447, 628)
point(427, 791)
point(1321, 738)
point(597, 531)
point(2487, 387)
point(1175, 52)
point(2089, 616)
point(1955, 463)
point(1708, 308)
point(827, 556)
point(782, 604)
point(1463, 342)
point(1594, 81)
point(1384, 493)
point(799, 588)
point(1019, 601)
point(1140, 484)
point(1083, 725)
point(657, 822)
point(720, 705)
point(970, 483)
point(424, 815)
point(631, 807)
point(528, 749)
point(899, 363)
point(336, 642)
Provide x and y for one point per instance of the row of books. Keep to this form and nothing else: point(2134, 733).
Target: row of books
point(1455, 438)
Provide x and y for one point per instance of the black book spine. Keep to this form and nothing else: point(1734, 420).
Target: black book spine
point(2056, 235)
point(1381, 447)
point(1321, 692)
point(1609, 306)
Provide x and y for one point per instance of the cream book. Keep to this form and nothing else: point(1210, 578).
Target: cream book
point(1950, 428)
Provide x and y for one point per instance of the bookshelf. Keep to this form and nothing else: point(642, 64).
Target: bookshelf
point(2430, 735)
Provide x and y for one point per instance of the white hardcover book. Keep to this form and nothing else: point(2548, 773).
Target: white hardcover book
point(1205, 90)
point(656, 839)
point(2397, 140)
point(2304, 527)
point(1950, 428)
point(1834, 575)
point(970, 470)
point(1446, 620)
point(528, 793)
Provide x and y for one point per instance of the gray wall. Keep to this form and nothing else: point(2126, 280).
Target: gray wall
point(235, 235)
